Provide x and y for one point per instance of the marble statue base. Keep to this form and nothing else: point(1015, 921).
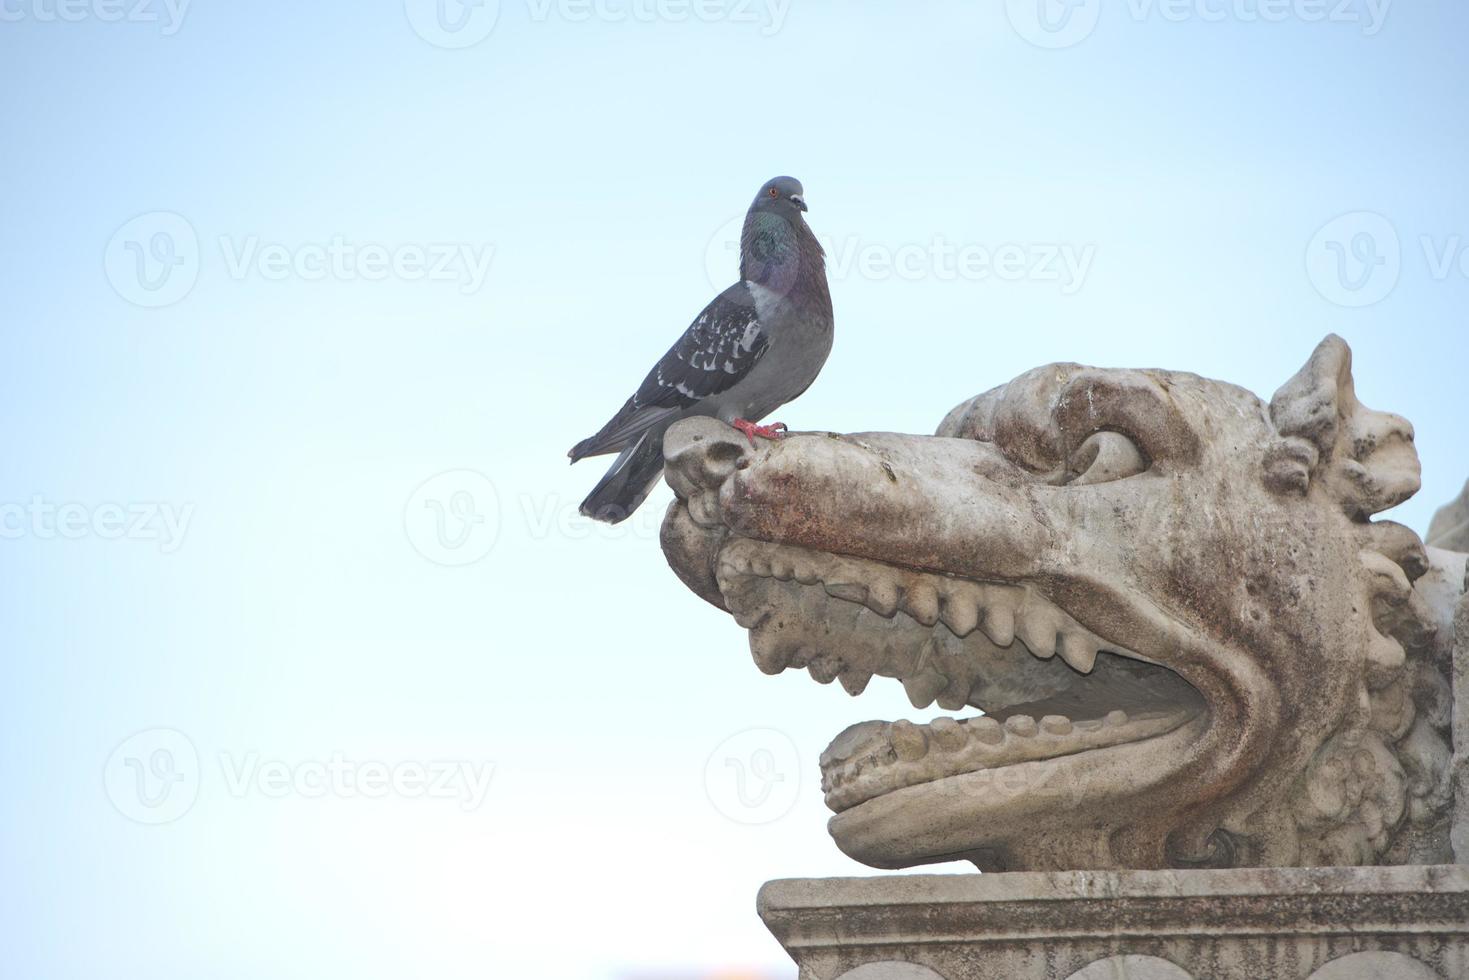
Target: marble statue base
point(1356, 923)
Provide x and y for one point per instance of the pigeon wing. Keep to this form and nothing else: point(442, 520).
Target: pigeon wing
point(718, 349)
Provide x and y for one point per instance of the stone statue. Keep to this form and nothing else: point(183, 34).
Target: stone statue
point(1192, 644)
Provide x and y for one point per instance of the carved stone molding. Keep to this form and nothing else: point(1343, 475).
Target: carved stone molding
point(1397, 923)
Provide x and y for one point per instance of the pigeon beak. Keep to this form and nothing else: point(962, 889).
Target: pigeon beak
point(799, 202)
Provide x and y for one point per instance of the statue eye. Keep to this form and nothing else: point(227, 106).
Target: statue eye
point(1104, 456)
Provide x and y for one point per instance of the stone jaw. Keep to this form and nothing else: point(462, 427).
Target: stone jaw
point(1003, 648)
point(977, 582)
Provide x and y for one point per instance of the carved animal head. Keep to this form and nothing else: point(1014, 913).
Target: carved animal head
point(1190, 643)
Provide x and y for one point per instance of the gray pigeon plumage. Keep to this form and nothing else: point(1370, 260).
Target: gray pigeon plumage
point(760, 344)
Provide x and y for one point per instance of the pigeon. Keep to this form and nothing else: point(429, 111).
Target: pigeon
point(757, 346)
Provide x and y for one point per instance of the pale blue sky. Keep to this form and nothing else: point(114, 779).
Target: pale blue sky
point(286, 420)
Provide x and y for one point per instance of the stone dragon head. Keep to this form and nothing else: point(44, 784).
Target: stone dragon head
point(1190, 642)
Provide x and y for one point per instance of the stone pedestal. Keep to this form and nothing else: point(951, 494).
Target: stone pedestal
point(1370, 923)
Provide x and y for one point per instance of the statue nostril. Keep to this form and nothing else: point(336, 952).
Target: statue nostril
point(700, 453)
point(726, 453)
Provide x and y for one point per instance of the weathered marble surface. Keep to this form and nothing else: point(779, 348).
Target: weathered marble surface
point(1192, 643)
point(1460, 626)
point(1450, 527)
point(1397, 923)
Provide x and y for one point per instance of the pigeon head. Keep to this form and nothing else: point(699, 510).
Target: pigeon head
point(782, 195)
point(777, 248)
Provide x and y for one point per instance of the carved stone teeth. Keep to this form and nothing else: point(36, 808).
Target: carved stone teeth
point(882, 598)
point(782, 568)
point(999, 625)
point(823, 670)
point(1022, 725)
point(922, 603)
point(948, 734)
point(1038, 631)
point(850, 591)
point(1078, 651)
point(986, 730)
point(851, 742)
point(760, 565)
point(875, 757)
point(924, 687)
point(1056, 725)
point(1115, 719)
point(771, 656)
point(961, 613)
point(954, 698)
point(854, 682)
point(806, 573)
point(895, 660)
point(908, 741)
point(752, 619)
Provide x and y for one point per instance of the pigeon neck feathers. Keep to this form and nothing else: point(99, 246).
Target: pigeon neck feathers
point(781, 254)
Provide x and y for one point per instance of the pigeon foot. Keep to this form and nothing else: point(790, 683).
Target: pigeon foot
point(776, 430)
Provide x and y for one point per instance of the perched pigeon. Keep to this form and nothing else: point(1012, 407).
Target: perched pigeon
point(759, 345)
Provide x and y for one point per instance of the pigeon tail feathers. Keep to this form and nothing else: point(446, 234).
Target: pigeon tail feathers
point(620, 431)
point(628, 483)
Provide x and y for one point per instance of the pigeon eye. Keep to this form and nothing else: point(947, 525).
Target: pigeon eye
point(774, 192)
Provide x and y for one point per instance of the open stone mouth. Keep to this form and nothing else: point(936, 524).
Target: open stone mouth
point(1048, 687)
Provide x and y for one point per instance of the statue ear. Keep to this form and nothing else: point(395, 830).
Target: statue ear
point(1364, 459)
